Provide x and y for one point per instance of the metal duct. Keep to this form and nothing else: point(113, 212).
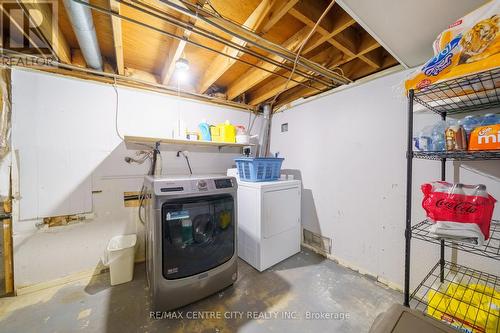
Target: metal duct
point(264, 132)
point(83, 25)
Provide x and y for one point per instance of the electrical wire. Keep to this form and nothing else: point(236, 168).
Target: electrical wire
point(207, 2)
point(250, 124)
point(206, 34)
point(117, 105)
point(300, 50)
point(275, 48)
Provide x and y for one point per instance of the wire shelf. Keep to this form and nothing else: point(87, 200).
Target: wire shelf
point(467, 299)
point(465, 155)
point(473, 92)
point(491, 248)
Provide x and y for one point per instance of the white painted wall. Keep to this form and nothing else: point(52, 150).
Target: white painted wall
point(66, 146)
point(349, 150)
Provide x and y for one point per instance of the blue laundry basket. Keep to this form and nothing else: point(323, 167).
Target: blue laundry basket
point(259, 169)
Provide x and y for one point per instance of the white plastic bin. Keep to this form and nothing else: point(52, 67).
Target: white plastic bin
point(120, 258)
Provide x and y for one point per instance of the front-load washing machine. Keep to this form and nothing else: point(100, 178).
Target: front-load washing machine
point(190, 238)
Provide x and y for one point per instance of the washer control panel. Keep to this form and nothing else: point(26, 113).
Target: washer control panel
point(223, 183)
point(176, 187)
point(202, 185)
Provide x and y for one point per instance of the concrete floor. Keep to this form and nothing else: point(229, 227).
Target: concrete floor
point(277, 300)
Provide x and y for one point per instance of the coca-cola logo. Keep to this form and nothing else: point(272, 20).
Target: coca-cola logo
point(460, 207)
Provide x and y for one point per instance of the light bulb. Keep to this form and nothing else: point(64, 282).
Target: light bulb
point(182, 64)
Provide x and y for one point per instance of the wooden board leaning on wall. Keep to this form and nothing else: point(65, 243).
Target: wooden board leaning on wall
point(7, 250)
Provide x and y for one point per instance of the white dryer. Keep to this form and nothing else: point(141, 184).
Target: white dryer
point(269, 228)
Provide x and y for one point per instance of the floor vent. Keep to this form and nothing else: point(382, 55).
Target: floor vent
point(320, 243)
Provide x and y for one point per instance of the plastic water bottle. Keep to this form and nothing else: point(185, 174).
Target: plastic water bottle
point(424, 140)
point(458, 189)
point(490, 119)
point(469, 123)
point(480, 191)
point(438, 142)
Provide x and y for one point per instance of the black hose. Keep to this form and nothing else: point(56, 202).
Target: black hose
point(187, 160)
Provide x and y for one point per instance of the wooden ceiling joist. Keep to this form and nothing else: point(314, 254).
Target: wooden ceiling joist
point(256, 75)
point(49, 29)
point(279, 84)
point(355, 69)
point(174, 54)
point(341, 23)
point(279, 9)
point(176, 49)
point(308, 12)
point(296, 93)
point(261, 38)
point(222, 63)
point(116, 26)
point(322, 31)
point(373, 58)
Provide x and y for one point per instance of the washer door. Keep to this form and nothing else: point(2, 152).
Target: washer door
point(198, 234)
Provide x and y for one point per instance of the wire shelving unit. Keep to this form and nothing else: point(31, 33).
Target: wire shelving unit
point(450, 292)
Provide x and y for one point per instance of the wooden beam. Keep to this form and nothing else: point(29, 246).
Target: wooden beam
point(341, 23)
point(277, 85)
point(367, 45)
point(337, 59)
point(256, 75)
point(312, 10)
point(175, 52)
point(295, 93)
point(77, 58)
point(116, 26)
point(177, 48)
point(373, 58)
point(279, 9)
point(344, 41)
point(322, 31)
point(356, 68)
point(8, 262)
point(48, 29)
point(222, 63)
point(141, 75)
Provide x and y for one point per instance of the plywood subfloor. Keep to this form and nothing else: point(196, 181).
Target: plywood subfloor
point(304, 282)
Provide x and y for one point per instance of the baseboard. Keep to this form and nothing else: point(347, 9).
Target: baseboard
point(346, 264)
point(87, 274)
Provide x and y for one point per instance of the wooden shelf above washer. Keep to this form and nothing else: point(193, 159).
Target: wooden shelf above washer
point(176, 142)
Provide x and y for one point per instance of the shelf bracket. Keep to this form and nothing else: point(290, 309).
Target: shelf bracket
point(408, 233)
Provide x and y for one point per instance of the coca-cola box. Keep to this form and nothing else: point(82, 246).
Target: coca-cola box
point(449, 206)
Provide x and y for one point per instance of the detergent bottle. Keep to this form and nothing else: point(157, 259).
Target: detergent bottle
point(205, 131)
point(223, 132)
